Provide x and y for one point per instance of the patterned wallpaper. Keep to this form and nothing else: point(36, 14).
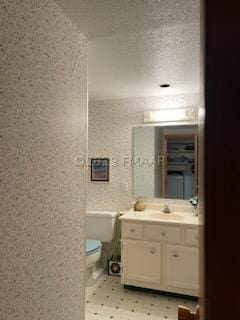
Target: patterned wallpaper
point(43, 112)
point(110, 135)
point(144, 175)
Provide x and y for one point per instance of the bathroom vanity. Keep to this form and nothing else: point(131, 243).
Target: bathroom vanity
point(160, 251)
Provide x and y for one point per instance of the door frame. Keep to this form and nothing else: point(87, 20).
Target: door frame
point(222, 171)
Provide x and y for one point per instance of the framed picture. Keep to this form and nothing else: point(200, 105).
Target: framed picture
point(100, 169)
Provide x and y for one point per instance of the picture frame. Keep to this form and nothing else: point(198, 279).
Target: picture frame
point(100, 169)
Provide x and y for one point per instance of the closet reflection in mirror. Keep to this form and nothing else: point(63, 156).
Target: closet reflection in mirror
point(165, 162)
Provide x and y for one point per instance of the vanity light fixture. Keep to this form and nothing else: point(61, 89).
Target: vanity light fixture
point(171, 114)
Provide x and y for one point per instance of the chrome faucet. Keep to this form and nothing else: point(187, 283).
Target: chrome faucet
point(166, 208)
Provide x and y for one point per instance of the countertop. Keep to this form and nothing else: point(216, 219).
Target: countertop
point(156, 216)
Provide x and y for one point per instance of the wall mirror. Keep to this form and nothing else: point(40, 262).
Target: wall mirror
point(165, 161)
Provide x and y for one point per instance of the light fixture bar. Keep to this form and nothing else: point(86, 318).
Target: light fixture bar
point(171, 114)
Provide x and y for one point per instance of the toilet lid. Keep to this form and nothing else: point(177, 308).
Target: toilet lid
point(92, 246)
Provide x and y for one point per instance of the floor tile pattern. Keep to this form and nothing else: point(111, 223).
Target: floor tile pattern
point(108, 299)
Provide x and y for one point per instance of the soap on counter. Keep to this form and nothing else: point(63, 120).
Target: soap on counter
point(139, 205)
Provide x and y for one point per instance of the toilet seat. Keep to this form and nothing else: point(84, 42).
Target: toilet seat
point(92, 246)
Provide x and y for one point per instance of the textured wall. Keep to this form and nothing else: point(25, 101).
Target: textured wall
point(110, 135)
point(143, 173)
point(43, 116)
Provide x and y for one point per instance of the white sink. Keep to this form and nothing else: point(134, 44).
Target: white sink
point(164, 216)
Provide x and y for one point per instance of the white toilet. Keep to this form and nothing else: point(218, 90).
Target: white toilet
point(100, 227)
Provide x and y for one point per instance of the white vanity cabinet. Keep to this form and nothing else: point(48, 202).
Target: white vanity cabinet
point(182, 267)
point(161, 256)
point(144, 261)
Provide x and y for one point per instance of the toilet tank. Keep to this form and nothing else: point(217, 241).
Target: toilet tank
point(100, 225)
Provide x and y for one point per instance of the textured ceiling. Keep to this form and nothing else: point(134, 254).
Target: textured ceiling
point(134, 45)
point(133, 65)
point(99, 18)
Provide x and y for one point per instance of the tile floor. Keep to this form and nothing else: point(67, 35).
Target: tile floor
point(107, 299)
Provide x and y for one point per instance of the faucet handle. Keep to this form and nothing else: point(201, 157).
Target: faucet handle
point(166, 208)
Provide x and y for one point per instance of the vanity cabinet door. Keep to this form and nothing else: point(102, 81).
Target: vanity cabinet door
point(182, 267)
point(142, 261)
point(191, 237)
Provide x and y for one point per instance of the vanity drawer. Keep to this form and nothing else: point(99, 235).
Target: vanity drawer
point(191, 237)
point(132, 230)
point(161, 232)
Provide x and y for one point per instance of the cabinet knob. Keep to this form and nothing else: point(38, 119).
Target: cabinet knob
point(175, 255)
point(153, 250)
point(163, 234)
point(132, 230)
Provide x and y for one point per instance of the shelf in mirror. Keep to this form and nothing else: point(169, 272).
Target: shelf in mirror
point(180, 163)
point(180, 151)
